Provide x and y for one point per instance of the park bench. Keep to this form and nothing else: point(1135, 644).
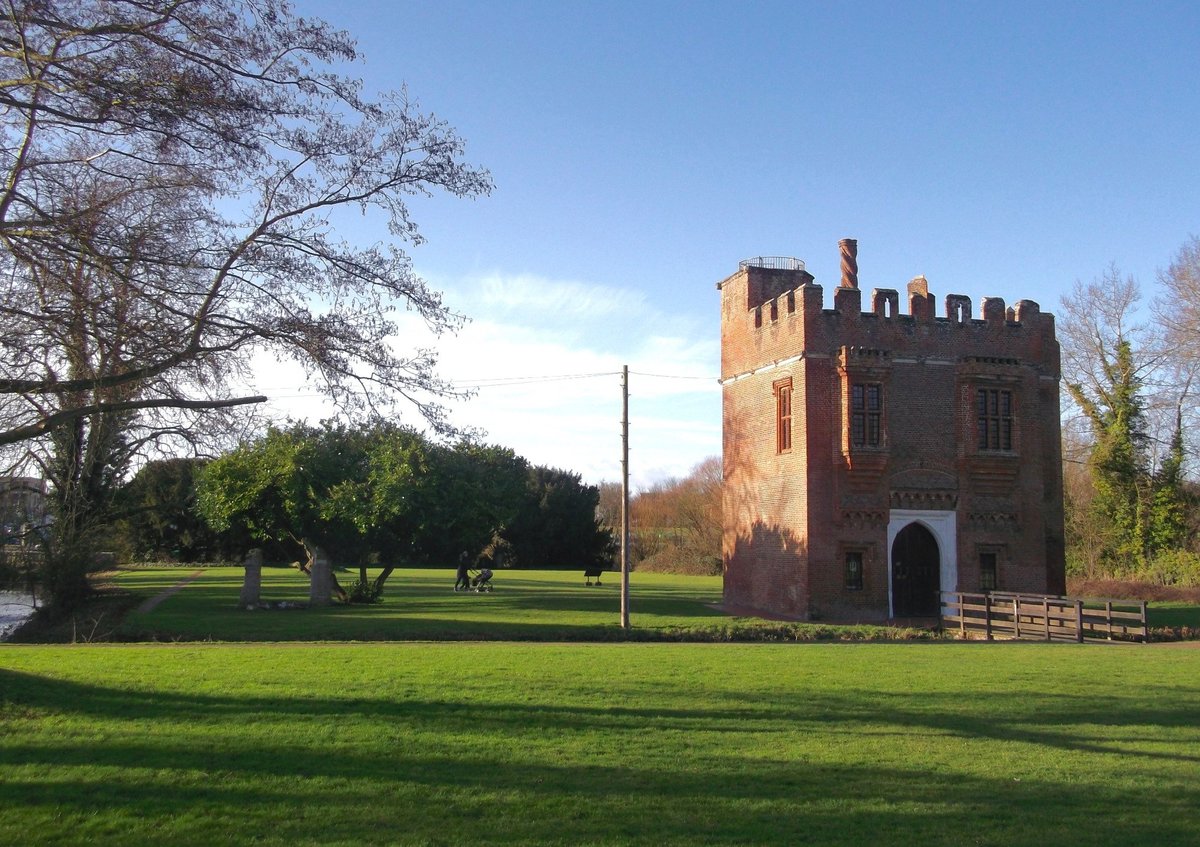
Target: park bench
point(590, 574)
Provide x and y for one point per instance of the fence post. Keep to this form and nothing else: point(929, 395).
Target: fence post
point(1079, 621)
point(1108, 618)
point(962, 616)
point(1145, 625)
point(1016, 618)
point(987, 616)
point(1046, 615)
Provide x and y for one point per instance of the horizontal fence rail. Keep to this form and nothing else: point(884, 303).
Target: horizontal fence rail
point(1043, 617)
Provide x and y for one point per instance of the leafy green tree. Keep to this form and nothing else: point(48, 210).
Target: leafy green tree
point(1104, 377)
point(1118, 461)
point(475, 493)
point(300, 485)
point(255, 488)
point(379, 494)
point(1167, 518)
point(557, 524)
point(158, 517)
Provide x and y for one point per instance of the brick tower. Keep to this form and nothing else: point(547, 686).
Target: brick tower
point(873, 459)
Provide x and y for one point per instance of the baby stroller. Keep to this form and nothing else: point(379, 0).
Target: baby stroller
point(482, 581)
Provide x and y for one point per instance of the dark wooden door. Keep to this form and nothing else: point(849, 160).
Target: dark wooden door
point(916, 573)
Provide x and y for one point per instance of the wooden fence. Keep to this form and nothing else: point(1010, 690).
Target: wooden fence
point(1043, 617)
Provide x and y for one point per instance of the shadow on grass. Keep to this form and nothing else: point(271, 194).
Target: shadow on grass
point(941, 712)
point(1174, 615)
point(463, 770)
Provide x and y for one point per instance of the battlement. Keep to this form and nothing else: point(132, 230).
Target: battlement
point(776, 308)
point(885, 305)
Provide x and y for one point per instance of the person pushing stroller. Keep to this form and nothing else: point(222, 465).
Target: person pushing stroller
point(482, 581)
point(467, 579)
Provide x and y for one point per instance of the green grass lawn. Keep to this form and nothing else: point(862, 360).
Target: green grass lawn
point(655, 744)
point(527, 606)
point(419, 604)
point(1174, 614)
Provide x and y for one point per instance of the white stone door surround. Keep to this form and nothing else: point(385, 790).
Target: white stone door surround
point(944, 526)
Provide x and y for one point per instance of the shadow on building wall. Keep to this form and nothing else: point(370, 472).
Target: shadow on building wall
point(766, 569)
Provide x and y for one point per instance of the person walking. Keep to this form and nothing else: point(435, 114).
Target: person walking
point(462, 578)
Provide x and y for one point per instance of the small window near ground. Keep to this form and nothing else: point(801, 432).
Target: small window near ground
point(987, 572)
point(854, 570)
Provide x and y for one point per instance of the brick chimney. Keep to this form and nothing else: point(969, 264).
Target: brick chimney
point(849, 251)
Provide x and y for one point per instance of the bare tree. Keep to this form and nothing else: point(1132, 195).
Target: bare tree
point(678, 522)
point(1129, 391)
point(171, 172)
point(1177, 309)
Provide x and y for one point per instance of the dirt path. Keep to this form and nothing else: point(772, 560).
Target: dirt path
point(152, 604)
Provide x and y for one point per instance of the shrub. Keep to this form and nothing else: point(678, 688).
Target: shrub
point(1125, 589)
point(681, 560)
point(1174, 567)
point(364, 592)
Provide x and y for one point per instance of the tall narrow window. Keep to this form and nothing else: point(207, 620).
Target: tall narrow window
point(854, 570)
point(994, 418)
point(987, 572)
point(783, 416)
point(866, 414)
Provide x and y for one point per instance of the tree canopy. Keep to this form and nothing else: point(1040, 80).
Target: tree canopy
point(172, 170)
point(387, 495)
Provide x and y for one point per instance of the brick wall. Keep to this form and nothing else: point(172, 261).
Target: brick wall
point(791, 517)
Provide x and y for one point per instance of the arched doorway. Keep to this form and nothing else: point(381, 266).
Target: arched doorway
point(916, 573)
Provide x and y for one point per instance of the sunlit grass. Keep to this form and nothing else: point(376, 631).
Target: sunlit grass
point(419, 604)
point(486, 743)
point(1173, 613)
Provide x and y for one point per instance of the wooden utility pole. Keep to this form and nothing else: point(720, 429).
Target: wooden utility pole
point(625, 497)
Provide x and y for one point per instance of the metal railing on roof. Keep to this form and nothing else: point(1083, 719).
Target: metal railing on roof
point(775, 263)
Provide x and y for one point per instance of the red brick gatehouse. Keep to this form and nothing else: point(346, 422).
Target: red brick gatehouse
point(874, 458)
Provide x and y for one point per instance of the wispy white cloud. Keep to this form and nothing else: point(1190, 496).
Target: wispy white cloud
point(547, 328)
point(570, 300)
point(544, 357)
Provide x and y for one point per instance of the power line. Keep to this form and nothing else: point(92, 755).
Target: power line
point(507, 381)
point(502, 381)
point(675, 376)
point(479, 383)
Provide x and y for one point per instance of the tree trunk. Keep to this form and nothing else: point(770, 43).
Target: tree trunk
point(382, 578)
point(336, 587)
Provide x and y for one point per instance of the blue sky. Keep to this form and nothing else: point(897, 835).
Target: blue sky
point(640, 150)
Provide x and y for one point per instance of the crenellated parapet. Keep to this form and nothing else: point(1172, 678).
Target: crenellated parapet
point(780, 306)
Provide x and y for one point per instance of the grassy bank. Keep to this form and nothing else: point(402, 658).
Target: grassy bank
point(939, 744)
